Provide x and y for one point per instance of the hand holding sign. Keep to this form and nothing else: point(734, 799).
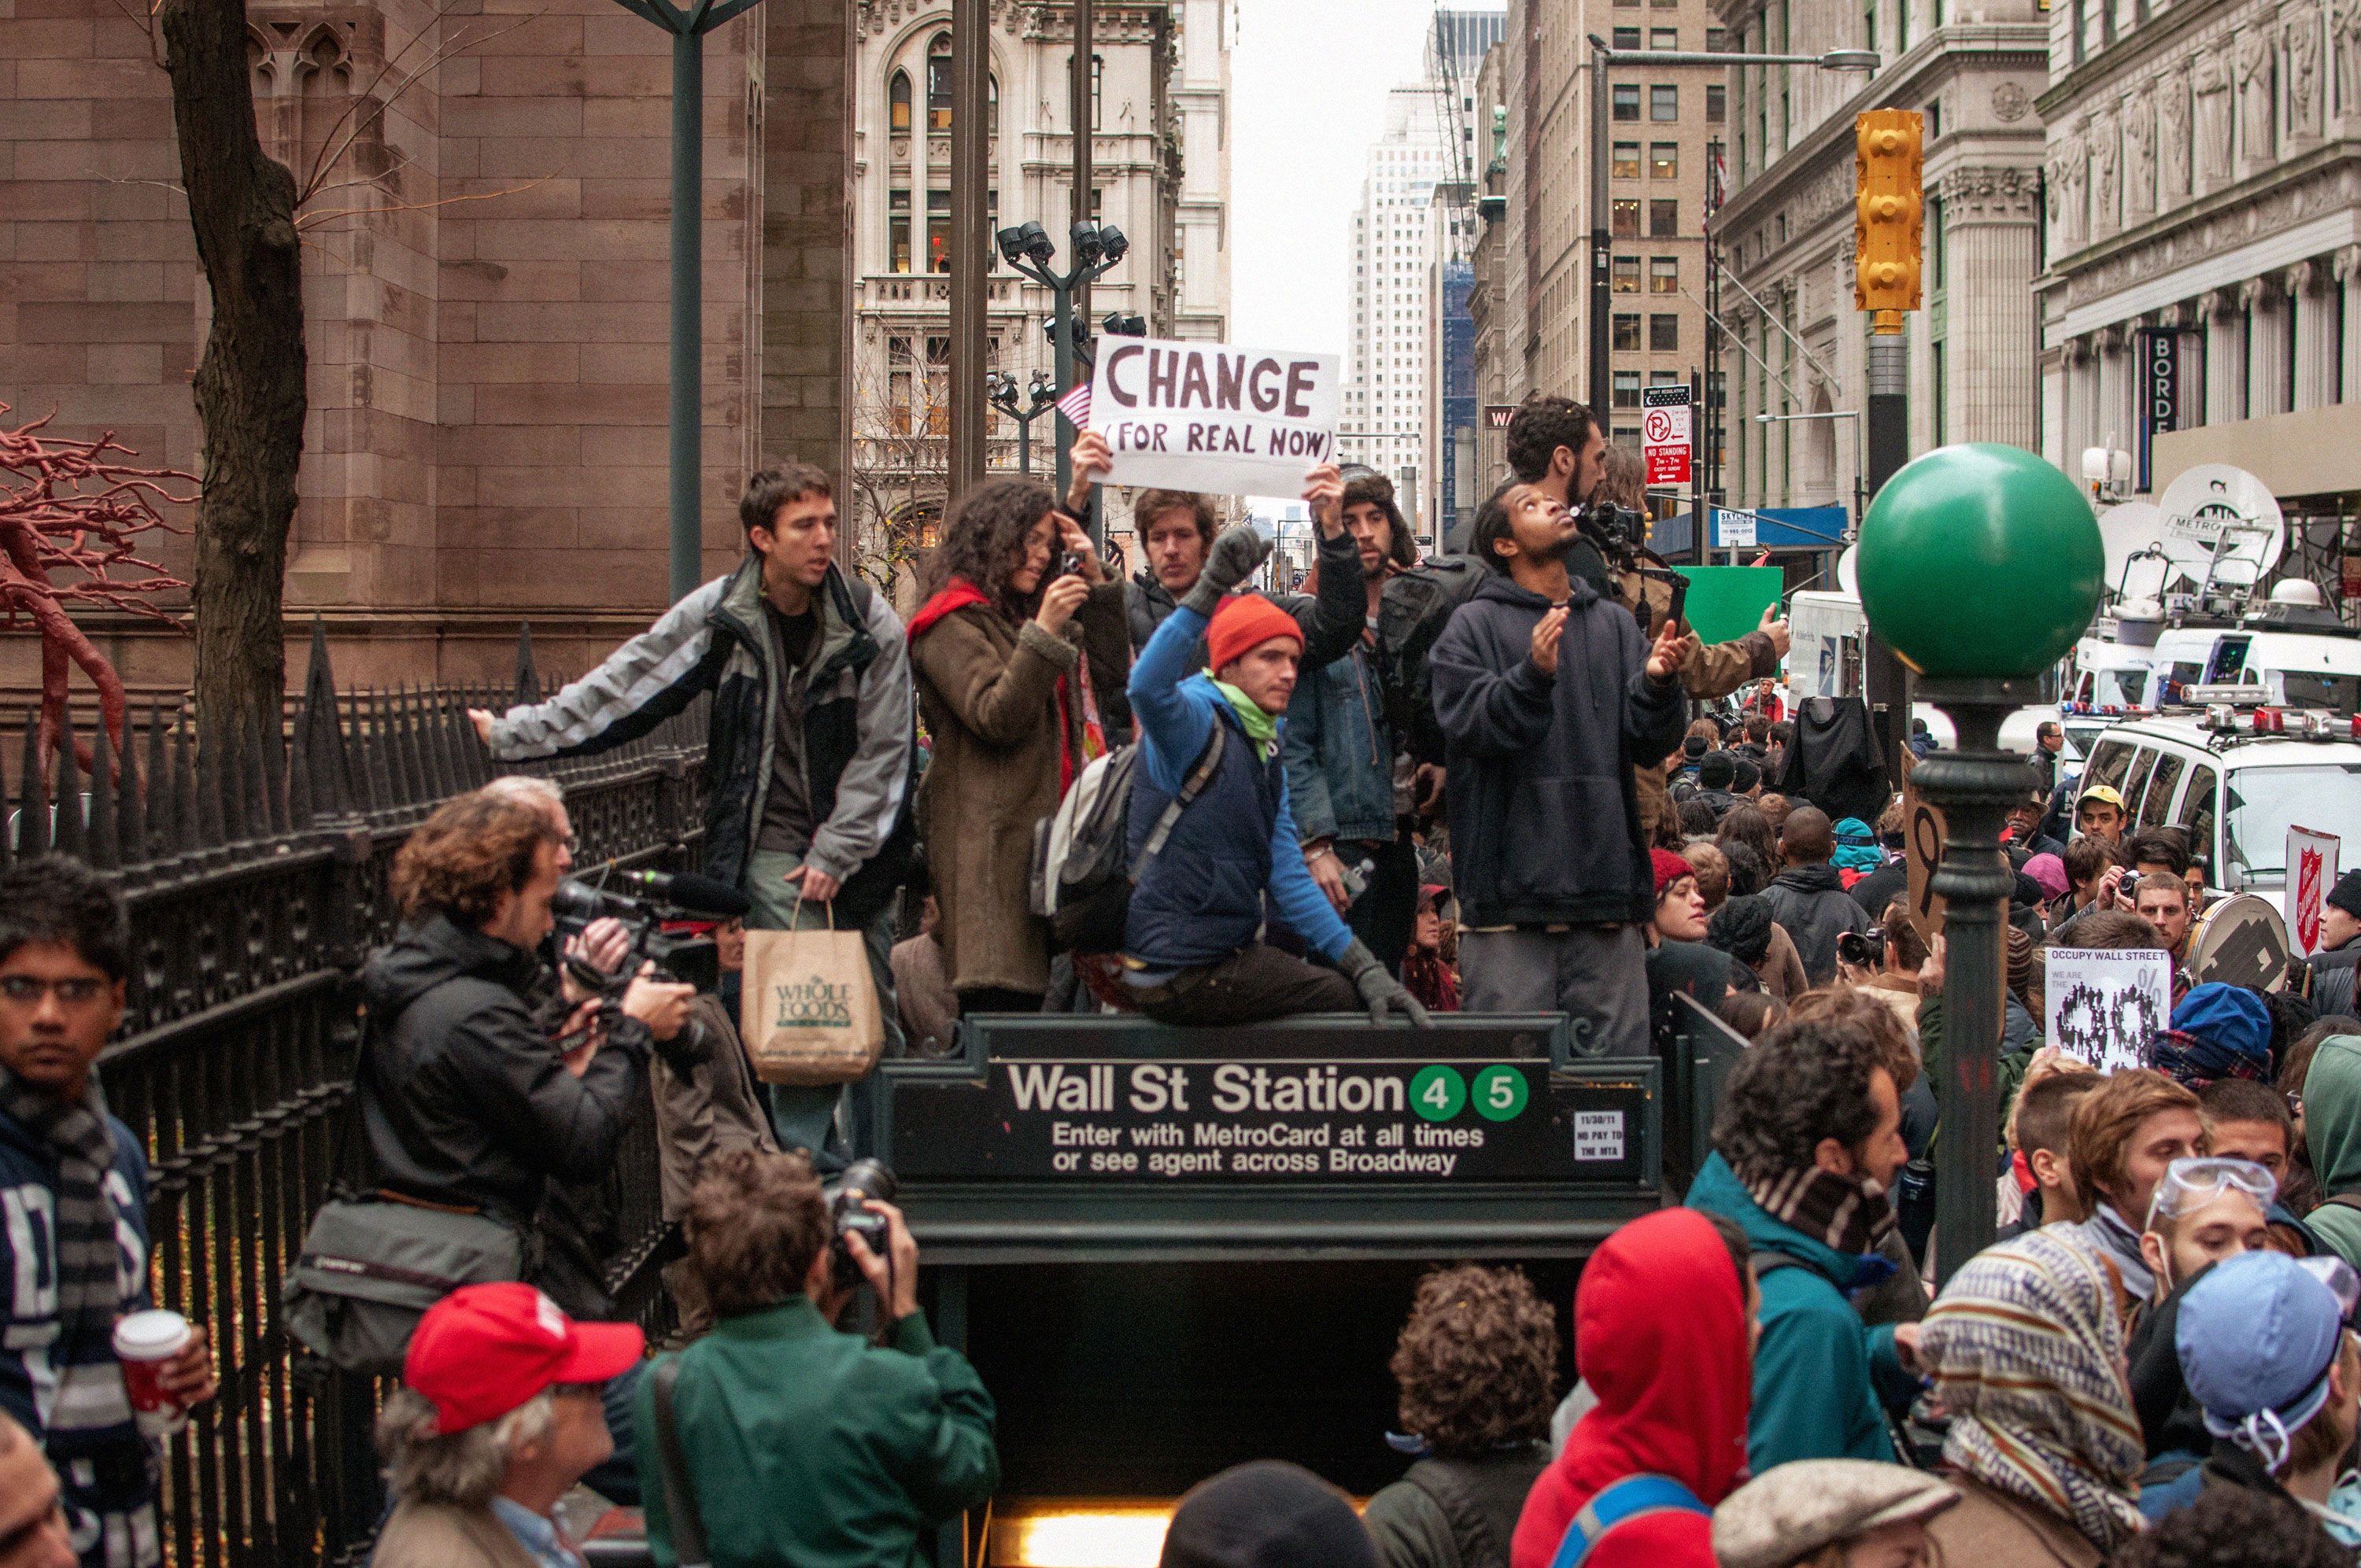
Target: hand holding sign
point(1214, 417)
point(1088, 455)
point(1323, 492)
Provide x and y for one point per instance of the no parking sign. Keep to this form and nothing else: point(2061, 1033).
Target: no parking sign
point(1664, 434)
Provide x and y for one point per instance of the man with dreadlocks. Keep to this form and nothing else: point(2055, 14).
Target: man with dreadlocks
point(73, 1188)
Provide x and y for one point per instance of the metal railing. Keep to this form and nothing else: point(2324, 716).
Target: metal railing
point(254, 867)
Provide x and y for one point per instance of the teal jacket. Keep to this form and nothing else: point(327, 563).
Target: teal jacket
point(1820, 1371)
point(812, 1448)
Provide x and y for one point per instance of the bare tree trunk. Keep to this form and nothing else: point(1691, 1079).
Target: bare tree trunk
point(249, 384)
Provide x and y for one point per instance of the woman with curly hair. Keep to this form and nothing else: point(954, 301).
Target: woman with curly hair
point(1021, 643)
point(1477, 1364)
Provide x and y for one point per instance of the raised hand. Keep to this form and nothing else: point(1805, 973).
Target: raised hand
point(1546, 632)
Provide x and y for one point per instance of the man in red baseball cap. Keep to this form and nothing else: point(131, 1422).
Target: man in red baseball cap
point(499, 1417)
point(1211, 830)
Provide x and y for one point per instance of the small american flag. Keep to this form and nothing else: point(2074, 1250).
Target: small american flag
point(1076, 405)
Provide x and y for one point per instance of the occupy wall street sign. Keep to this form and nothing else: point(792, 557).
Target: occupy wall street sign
point(1384, 1110)
point(1210, 417)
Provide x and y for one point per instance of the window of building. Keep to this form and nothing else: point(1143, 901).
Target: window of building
point(897, 231)
point(897, 100)
point(938, 386)
point(1663, 37)
point(1663, 160)
point(939, 231)
point(1625, 223)
point(1869, 25)
point(898, 385)
point(1664, 335)
point(1625, 272)
point(1717, 105)
point(1716, 40)
point(1098, 89)
point(1664, 103)
point(1664, 275)
point(1942, 404)
point(1626, 37)
point(1664, 218)
point(1626, 98)
point(1627, 333)
point(938, 84)
point(1625, 164)
point(1936, 248)
point(1627, 388)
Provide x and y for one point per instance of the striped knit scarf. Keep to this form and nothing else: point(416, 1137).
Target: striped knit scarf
point(88, 1294)
point(1849, 1213)
point(2027, 1353)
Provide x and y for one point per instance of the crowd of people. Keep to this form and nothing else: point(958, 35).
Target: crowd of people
point(1526, 786)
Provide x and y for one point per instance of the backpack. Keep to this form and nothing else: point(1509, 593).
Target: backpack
point(1634, 1496)
point(1412, 613)
point(1082, 876)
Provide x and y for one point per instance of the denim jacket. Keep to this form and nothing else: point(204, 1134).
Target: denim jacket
point(1339, 753)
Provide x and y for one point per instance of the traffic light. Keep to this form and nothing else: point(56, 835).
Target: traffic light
point(1889, 204)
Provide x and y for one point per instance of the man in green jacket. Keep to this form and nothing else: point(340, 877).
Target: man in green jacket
point(804, 1447)
point(2331, 1130)
point(1806, 1145)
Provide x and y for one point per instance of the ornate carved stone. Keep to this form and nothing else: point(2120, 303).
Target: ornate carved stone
point(2106, 149)
point(2345, 23)
point(2139, 153)
point(2257, 84)
point(2216, 130)
point(2303, 84)
point(2011, 102)
point(2172, 122)
point(2002, 193)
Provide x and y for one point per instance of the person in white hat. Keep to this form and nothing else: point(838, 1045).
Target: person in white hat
point(1830, 1513)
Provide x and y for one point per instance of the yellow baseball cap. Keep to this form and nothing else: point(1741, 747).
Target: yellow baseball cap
point(2105, 795)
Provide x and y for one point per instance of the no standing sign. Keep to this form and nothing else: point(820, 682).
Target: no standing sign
point(1664, 434)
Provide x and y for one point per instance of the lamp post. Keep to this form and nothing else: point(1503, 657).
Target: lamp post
point(1857, 471)
point(1028, 248)
point(1602, 55)
point(1004, 398)
point(687, 27)
point(1942, 532)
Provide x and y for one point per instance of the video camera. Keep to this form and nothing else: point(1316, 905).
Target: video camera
point(1621, 530)
point(860, 1182)
point(695, 961)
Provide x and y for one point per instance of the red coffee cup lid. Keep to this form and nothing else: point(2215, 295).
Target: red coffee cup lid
point(152, 1335)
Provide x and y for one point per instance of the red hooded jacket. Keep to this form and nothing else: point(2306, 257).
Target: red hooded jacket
point(1659, 1333)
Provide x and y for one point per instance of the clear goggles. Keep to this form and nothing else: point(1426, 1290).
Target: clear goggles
point(2192, 1184)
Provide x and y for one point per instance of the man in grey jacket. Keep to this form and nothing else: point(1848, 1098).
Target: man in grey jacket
point(810, 755)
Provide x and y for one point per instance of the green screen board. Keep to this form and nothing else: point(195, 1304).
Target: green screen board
point(1725, 602)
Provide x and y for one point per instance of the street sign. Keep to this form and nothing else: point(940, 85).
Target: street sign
point(2311, 873)
point(1497, 415)
point(1734, 530)
point(1664, 434)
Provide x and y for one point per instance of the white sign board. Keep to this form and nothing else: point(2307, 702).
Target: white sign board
point(2311, 873)
point(1734, 530)
point(1214, 417)
point(2104, 1006)
point(1597, 1134)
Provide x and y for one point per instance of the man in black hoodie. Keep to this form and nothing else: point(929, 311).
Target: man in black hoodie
point(1808, 898)
point(1548, 696)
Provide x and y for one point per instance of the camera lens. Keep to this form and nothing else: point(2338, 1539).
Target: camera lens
point(868, 1179)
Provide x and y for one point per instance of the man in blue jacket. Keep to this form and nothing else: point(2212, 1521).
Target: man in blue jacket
point(1211, 836)
point(1548, 696)
point(1806, 1146)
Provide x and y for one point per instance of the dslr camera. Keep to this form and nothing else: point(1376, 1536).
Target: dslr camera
point(1621, 530)
point(1866, 949)
point(860, 1182)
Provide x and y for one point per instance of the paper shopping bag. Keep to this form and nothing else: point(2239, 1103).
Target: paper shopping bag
point(808, 1009)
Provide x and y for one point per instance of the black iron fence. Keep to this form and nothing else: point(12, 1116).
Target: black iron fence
point(254, 869)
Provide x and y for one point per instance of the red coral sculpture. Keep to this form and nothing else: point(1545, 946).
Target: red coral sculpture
point(71, 514)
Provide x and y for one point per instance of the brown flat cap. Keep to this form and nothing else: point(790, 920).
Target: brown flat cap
point(1788, 1513)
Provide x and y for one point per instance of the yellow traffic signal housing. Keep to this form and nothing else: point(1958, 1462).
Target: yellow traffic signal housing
point(1889, 207)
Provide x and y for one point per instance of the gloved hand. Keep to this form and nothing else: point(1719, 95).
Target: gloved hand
point(1231, 561)
point(1380, 990)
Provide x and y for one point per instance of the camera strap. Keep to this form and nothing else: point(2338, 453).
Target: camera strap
point(688, 1547)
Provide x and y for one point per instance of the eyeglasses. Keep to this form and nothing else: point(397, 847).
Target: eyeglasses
point(26, 991)
point(2341, 1282)
point(2192, 1183)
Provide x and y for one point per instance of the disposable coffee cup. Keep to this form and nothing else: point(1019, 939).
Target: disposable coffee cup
point(143, 1343)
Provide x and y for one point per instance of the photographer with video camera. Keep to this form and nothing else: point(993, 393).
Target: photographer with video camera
point(776, 1439)
point(1555, 445)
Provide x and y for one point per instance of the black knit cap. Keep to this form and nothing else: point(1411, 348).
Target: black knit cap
point(1693, 747)
point(1267, 1515)
point(2347, 893)
point(1718, 771)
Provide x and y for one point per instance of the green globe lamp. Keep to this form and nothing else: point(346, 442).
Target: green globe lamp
point(1978, 565)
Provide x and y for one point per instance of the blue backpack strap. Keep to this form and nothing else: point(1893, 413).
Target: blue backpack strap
point(1629, 1498)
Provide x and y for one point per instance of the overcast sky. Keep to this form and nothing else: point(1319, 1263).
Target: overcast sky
point(1308, 82)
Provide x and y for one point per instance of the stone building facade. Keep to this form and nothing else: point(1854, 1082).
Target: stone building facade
point(486, 292)
point(2204, 186)
point(1786, 235)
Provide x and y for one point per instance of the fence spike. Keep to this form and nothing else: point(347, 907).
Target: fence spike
point(105, 851)
point(188, 810)
point(299, 775)
point(377, 786)
point(66, 827)
point(214, 825)
point(442, 757)
point(527, 682)
point(409, 766)
point(32, 805)
point(266, 812)
point(130, 818)
point(320, 736)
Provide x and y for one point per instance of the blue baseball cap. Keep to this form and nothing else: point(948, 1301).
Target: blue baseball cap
point(2230, 1016)
point(2257, 1336)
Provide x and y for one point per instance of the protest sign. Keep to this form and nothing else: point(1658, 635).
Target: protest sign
point(1214, 417)
point(2311, 873)
point(1922, 833)
point(2104, 1005)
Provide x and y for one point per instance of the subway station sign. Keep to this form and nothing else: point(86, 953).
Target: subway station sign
point(1127, 1105)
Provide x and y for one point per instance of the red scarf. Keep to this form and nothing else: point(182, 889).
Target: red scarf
point(960, 594)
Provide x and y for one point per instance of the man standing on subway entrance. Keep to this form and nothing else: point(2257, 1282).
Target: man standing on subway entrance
point(1210, 746)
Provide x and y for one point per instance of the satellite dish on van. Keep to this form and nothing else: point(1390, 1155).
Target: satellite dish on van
point(1849, 570)
point(2130, 532)
point(2223, 523)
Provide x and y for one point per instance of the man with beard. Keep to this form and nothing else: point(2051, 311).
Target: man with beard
point(1548, 697)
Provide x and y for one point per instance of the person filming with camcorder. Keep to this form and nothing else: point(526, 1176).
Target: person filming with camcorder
point(777, 1441)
